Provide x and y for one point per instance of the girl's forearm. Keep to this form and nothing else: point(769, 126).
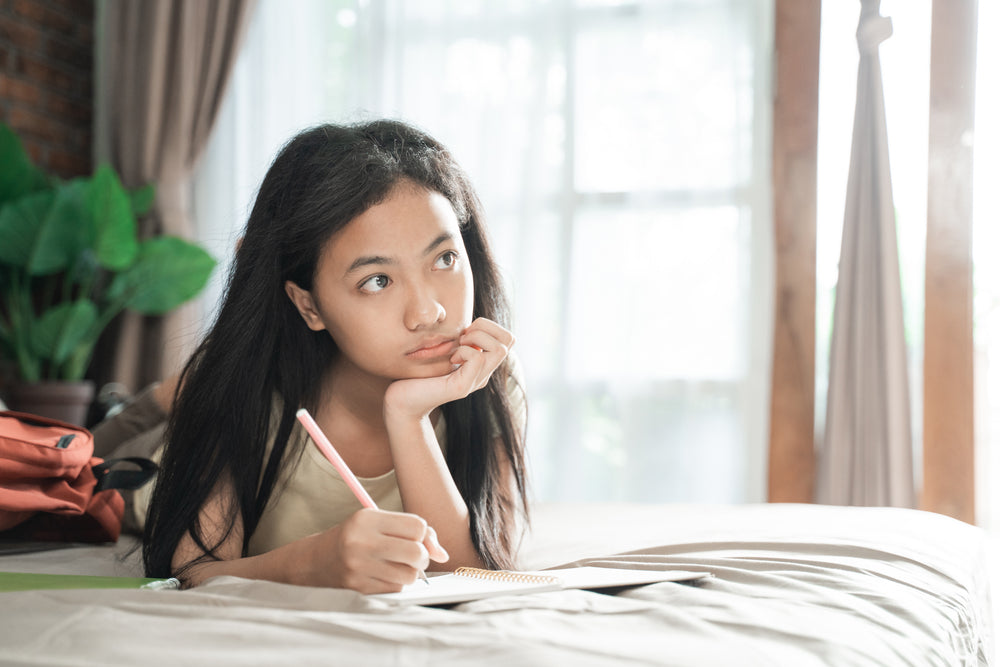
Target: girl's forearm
point(278, 565)
point(428, 490)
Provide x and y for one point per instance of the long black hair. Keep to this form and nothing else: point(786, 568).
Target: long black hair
point(258, 348)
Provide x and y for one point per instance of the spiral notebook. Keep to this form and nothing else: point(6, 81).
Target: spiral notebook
point(469, 583)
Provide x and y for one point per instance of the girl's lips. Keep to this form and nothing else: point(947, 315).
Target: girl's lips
point(433, 351)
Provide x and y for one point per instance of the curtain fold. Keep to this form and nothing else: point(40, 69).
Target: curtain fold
point(866, 454)
point(162, 69)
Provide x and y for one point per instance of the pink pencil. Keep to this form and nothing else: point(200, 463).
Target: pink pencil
point(333, 456)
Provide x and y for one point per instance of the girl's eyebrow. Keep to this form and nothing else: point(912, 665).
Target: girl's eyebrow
point(380, 260)
point(367, 261)
point(441, 238)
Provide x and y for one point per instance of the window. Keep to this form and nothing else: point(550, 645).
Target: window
point(621, 151)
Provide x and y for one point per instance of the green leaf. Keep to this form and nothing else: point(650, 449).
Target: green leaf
point(167, 272)
point(45, 231)
point(18, 176)
point(66, 231)
point(61, 329)
point(110, 208)
point(21, 223)
point(142, 200)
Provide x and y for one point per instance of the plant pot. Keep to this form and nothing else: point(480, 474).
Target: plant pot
point(65, 401)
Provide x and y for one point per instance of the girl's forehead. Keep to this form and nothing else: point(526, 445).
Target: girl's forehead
point(401, 226)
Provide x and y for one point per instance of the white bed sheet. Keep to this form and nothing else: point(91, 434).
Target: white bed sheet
point(793, 585)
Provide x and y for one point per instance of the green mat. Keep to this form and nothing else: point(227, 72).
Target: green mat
point(26, 581)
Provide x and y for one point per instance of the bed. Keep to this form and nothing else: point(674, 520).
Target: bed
point(791, 585)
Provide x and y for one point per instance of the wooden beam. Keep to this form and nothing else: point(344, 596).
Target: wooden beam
point(949, 434)
point(791, 460)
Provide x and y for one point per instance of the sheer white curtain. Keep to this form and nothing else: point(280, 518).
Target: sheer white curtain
point(620, 149)
point(905, 61)
point(866, 457)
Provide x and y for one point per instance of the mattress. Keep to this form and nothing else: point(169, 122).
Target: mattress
point(790, 585)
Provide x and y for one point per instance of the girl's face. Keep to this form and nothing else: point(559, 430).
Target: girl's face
point(394, 287)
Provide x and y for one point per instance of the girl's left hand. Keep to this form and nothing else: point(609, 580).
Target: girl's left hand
point(482, 348)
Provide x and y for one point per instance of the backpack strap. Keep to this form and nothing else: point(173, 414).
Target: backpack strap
point(123, 479)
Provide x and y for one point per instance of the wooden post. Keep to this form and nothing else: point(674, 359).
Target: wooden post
point(949, 433)
point(791, 460)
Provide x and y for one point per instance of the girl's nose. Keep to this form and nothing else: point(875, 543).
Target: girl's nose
point(423, 310)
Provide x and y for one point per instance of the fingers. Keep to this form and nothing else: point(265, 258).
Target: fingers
point(475, 369)
point(485, 344)
point(482, 347)
point(411, 529)
point(487, 335)
point(383, 551)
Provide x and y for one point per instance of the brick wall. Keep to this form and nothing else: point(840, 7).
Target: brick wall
point(46, 80)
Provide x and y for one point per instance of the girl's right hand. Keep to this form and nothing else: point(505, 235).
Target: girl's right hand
point(483, 346)
point(373, 551)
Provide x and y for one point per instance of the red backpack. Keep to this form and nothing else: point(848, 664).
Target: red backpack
point(53, 488)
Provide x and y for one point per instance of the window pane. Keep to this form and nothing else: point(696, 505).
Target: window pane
point(533, 273)
point(656, 442)
point(657, 294)
point(646, 122)
point(496, 102)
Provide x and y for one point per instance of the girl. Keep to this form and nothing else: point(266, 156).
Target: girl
point(364, 290)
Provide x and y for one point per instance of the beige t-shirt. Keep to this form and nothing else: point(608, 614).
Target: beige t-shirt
point(311, 496)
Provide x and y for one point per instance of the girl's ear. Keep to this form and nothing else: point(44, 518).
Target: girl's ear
point(304, 303)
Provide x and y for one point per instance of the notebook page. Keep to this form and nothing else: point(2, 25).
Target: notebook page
point(450, 588)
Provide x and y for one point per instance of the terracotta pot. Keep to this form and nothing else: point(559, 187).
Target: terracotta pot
point(65, 401)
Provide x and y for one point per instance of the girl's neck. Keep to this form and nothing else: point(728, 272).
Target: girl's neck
point(350, 413)
point(361, 394)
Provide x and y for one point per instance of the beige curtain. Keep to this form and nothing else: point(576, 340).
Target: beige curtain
point(161, 69)
point(866, 456)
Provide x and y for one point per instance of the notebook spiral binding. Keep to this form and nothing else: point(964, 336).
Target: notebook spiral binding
point(506, 576)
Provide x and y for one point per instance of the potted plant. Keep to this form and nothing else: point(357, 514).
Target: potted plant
point(71, 260)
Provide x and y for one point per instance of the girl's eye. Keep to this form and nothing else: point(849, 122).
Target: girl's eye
point(447, 260)
point(375, 284)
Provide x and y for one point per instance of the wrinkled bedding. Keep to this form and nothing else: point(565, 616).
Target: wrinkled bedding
point(792, 585)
